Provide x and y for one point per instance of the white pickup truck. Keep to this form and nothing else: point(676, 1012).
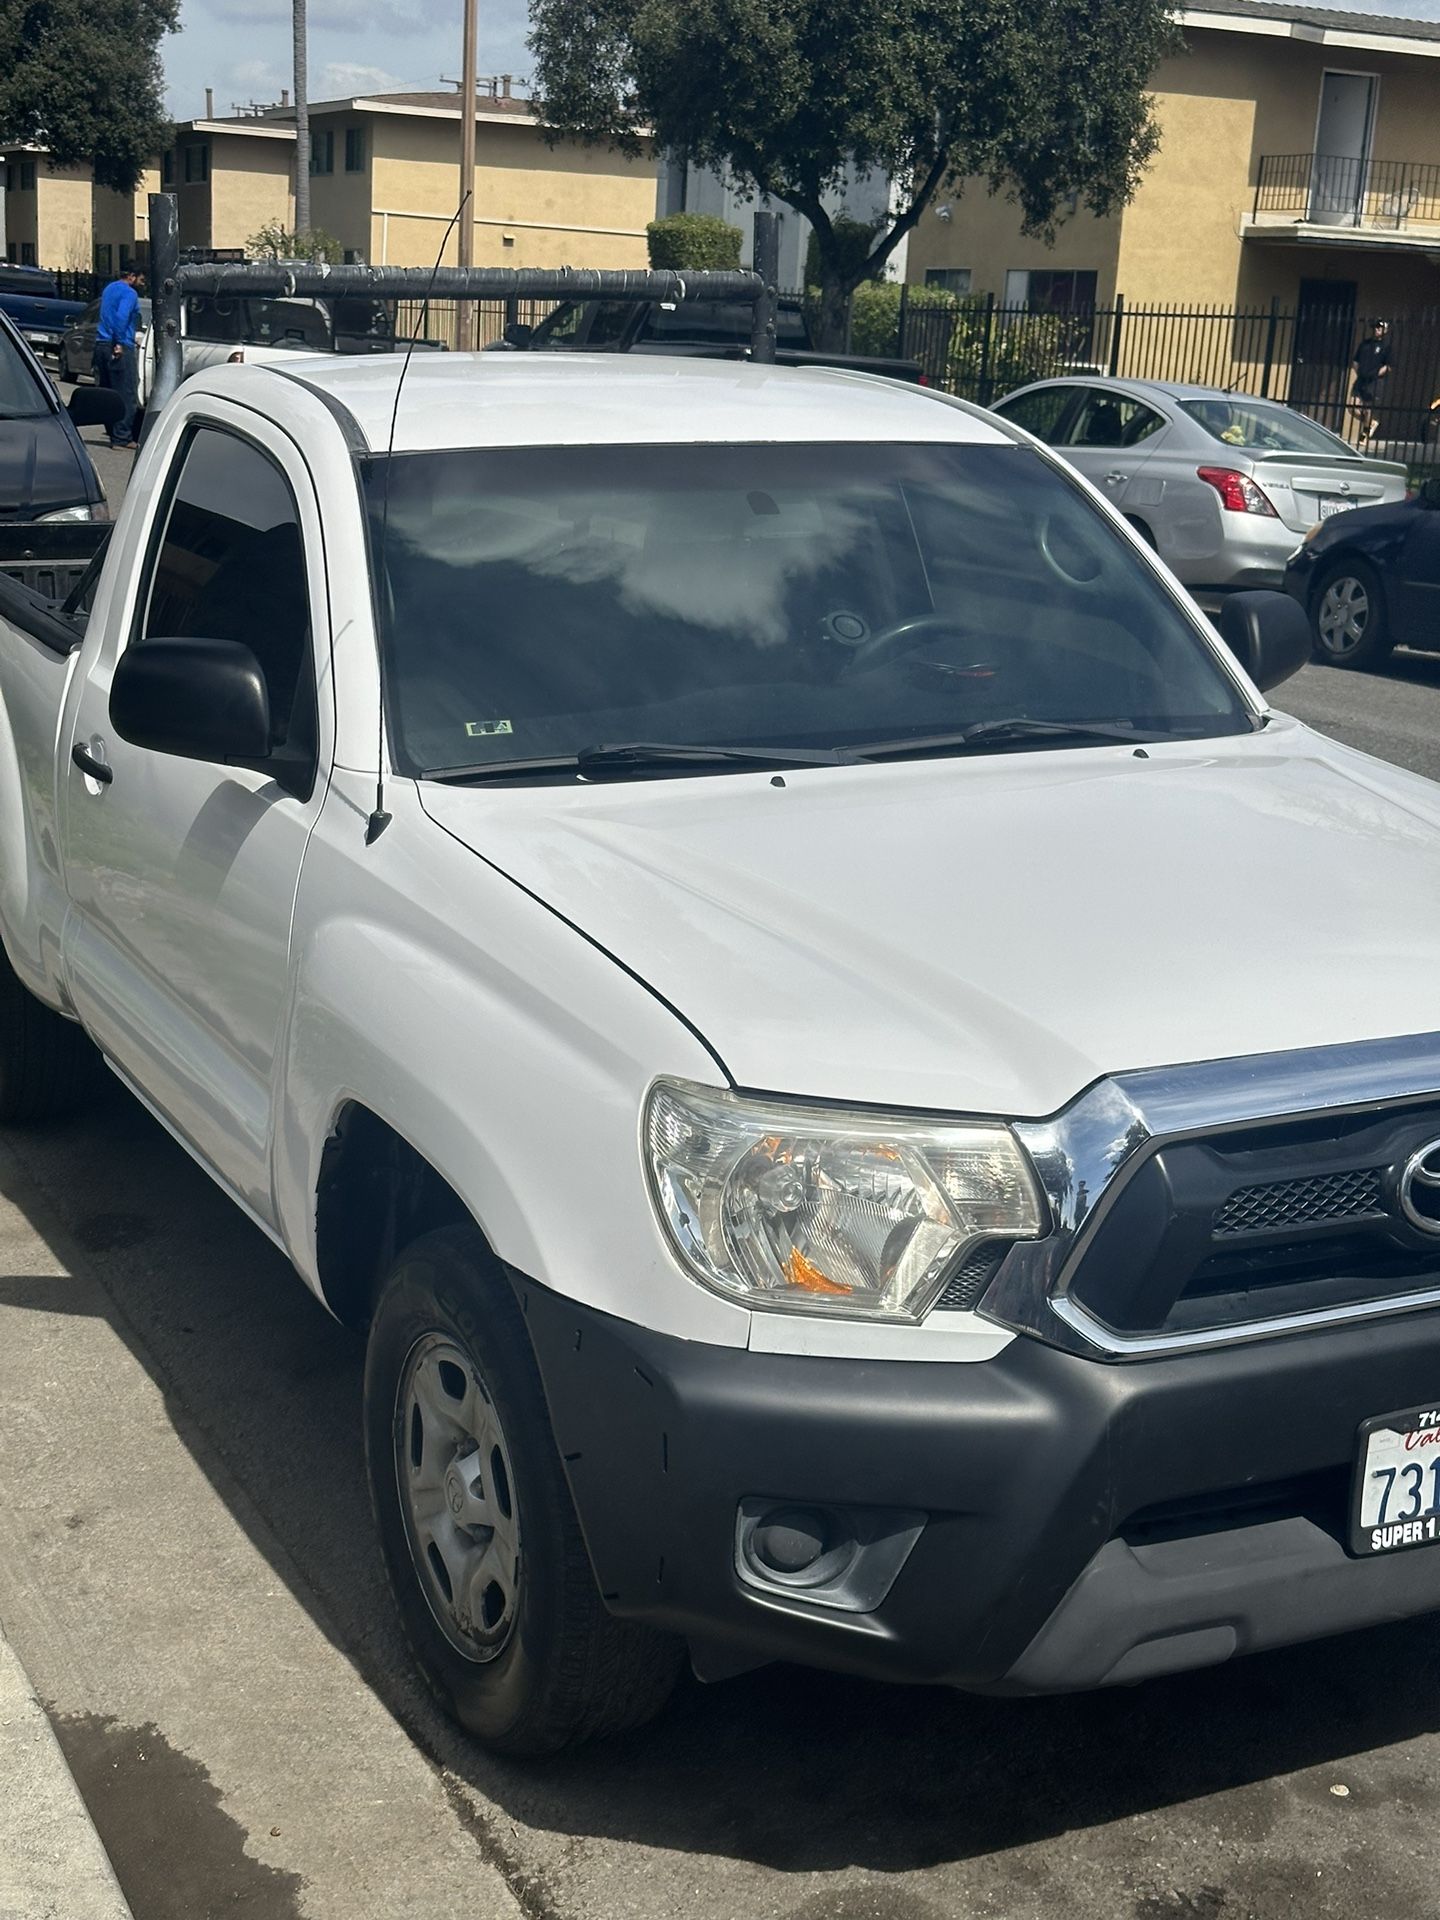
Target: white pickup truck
point(877, 1106)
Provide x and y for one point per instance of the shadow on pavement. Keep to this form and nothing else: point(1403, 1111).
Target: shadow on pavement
point(791, 1770)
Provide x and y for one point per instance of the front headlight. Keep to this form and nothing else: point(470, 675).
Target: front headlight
point(818, 1210)
point(68, 514)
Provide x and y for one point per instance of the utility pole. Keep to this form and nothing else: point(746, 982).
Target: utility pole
point(302, 119)
point(469, 58)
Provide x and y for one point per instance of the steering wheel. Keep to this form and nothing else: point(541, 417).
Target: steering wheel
point(900, 637)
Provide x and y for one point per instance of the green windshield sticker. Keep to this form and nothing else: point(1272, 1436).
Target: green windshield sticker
point(481, 729)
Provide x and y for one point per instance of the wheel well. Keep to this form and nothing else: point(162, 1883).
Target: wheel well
point(1141, 527)
point(1334, 562)
point(375, 1195)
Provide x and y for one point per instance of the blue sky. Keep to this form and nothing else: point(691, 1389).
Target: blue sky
point(242, 47)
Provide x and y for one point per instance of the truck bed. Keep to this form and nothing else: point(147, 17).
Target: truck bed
point(48, 560)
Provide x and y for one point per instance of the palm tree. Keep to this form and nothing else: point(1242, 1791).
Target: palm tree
point(302, 120)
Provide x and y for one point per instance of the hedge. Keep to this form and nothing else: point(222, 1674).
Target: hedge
point(693, 241)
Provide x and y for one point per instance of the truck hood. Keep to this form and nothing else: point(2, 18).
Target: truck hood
point(990, 935)
point(39, 469)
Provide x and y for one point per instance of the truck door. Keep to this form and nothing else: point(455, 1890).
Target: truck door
point(182, 874)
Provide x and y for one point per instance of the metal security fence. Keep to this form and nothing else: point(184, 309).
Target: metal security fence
point(1302, 356)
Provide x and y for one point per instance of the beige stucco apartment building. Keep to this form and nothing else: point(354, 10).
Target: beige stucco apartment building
point(230, 178)
point(1299, 160)
point(385, 179)
point(384, 182)
point(47, 210)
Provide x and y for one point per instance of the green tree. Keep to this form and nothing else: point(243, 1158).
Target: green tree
point(82, 80)
point(275, 242)
point(854, 245)
point(1040, 99)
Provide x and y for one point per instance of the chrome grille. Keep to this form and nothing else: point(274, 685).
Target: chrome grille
point(1284, 1204)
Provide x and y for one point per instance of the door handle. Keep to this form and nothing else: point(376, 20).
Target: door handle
point(87, 763)
point(1114, 479)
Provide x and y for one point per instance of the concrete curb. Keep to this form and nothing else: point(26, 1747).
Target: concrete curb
point(52, 1865)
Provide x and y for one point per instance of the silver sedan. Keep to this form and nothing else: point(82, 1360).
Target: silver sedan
point(1222, 485)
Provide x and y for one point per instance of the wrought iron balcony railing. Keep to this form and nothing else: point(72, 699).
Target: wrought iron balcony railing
point(1335, 190)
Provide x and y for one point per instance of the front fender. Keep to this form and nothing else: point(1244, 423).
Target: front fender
point(502, 1045)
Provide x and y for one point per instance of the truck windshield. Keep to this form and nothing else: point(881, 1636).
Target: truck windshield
point(540, 602)
point(21, 395)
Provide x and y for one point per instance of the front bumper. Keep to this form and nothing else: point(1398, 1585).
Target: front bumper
point(1084, 1522)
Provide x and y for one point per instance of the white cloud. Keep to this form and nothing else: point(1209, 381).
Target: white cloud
point(342, 78)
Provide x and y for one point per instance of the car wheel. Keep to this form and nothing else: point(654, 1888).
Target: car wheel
point(46, 1062)
point(1348, 615)
point(481, 1543)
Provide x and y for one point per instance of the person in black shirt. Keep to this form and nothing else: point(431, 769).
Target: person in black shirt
point(1371, 363)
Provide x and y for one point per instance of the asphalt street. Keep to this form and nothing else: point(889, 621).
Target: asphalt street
point(188, 1571)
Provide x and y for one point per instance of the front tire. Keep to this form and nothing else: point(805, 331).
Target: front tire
point(46, 1062)
point(481, 1543)
point(1348, 616)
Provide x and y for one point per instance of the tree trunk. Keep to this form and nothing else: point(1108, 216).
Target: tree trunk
point(302, 120)
point(830, 322)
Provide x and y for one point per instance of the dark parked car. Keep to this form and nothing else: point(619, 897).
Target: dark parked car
point(1370, 580)
point(45, 471)
point(705, 329)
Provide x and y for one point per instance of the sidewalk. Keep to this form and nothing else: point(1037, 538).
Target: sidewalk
point(52, 1865)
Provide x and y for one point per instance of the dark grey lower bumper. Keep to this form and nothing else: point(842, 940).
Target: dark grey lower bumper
point(1082, 1523)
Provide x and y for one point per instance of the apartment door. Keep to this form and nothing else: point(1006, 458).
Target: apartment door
point(1342, 148)
point(1324, 344)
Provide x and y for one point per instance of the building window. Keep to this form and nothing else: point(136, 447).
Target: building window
point(102, 258)
point(27, 176)
point(197, 163)
point(125, 261)
point(27, 253)
point(948, 279)
point(354, 150)
point(322, 152)
point(167, 168)
point(12, 251)
point(1043, 290)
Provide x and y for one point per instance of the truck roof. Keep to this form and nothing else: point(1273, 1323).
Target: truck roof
point(521, 399)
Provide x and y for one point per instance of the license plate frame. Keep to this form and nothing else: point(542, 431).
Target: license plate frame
point(1395, 1486)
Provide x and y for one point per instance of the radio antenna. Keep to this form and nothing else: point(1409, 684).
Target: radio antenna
point(380, 819)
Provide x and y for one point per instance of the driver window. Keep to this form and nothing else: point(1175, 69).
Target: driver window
point(1041, 412)
point(1112, 420)
point(231, 567)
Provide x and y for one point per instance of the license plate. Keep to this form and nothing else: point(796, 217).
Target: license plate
point(1396, 1498)
point(1329, 505)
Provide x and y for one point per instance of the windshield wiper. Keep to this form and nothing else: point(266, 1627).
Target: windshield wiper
point(1018, 729)
point(640, 756)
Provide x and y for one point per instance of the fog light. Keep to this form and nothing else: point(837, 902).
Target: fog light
point(789, 1539)
point(842, 1557)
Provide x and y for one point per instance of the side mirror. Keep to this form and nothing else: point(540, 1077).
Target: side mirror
point(1268, 633)
point(517, 334)
point(95, 406)
point(200, 699)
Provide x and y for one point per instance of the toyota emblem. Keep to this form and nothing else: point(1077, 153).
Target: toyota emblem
point(1420, 1188)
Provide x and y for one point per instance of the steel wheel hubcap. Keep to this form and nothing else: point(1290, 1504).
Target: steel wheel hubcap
point(1343, 616)
point(457, 1496)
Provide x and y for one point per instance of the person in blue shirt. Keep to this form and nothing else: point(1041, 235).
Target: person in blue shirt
point(115, 351)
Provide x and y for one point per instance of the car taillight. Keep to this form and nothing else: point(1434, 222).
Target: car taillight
point(1238, 492)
